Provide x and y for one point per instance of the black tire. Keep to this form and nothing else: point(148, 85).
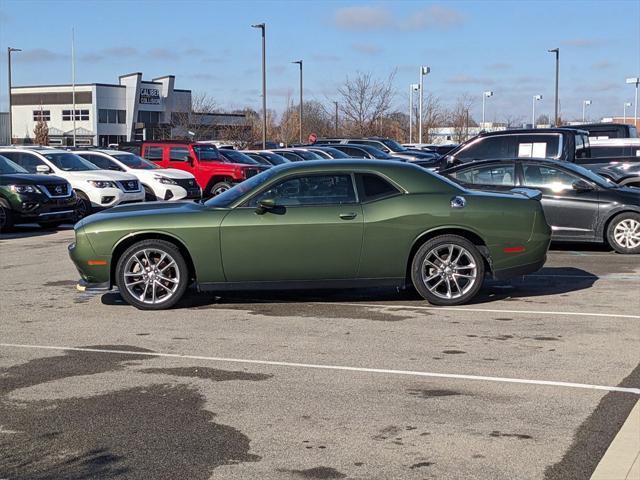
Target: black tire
point(623, 233)
point(83, 206)
point(125, 262)
point(6, 218)
point(149, 196)
point(219, 188)
point(50, 225)
point(432, 278)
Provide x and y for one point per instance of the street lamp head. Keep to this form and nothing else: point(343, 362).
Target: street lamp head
point(11, 49)
point(298, 62)
point(587, 102)
point(537, 97)
point(415, 87)
point(554, 50)
point(425, 70)
point(627, 104)
point(488, 93)
point(633, 80)
point(259, 25)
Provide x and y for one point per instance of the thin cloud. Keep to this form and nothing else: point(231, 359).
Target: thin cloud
point(91, 58)
point(602, 65)
point(36, 55)
point(470, 80)
point(363, 18)
point(366, 48)
point(319, 57)
point(499, 66)
point(162, 54)
point(581, 42)
point(120, 52)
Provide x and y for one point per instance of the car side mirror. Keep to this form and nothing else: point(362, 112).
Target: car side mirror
point(265, 205)
point(43, 169)
point(582, 186)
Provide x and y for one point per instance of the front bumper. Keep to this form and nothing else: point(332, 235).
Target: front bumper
point(110, 197)
point(39, 208)
point(177, 192)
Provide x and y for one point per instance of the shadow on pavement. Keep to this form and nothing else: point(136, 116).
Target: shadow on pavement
point(548, 281)
point(28, 231)
point(579, 247)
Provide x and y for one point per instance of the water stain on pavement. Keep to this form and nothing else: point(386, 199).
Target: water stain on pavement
point(206, 373)
point(519, 436)
point(425, 393)
point(317, 473)
point(453, 352)
point(157, 431)
point(61, 283)
point(420, 465)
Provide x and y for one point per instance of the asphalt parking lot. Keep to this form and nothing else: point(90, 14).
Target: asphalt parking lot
point(531, 381)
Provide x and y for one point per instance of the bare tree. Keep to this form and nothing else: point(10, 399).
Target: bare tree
point(364, 101)
point(194, 121)
point(433, 115)
point(459, 118)
point(41, 130)
point(513, 121)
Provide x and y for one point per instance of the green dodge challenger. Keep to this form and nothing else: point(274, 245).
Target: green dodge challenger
point(350, 223)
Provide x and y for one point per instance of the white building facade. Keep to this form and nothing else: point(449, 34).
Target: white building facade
point(133, 109)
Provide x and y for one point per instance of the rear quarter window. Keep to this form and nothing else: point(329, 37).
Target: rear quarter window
point(373, 187)
point(153, 153)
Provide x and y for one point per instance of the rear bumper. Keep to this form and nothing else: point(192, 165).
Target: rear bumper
point(520, 270)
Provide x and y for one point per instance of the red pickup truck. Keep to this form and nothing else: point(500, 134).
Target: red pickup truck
point(213, 173)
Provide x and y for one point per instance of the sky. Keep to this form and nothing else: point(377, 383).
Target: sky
point(470, 46)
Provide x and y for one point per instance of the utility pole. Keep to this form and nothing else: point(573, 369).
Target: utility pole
point(299, 62)
point(423, 71)
point(73, 83)
point(263, 28)
point(557, 52)
point(9, 50)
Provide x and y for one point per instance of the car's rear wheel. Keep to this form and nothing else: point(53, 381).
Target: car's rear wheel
point(152, 275)
point(219, 188)
point(6, 218)
point(447, 270)
point(623, 233)
point(83, 206)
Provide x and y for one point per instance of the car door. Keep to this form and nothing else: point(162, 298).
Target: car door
point(179, 158)
point(314, 232)
point(572, 213)
point(494, 176)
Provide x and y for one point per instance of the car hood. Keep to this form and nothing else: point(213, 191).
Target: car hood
point(17, 178)
point(621, 170)
point(98, 175)
point(138, 210)
point(172, 173)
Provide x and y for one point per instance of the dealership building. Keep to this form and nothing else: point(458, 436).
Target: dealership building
point(132, 109)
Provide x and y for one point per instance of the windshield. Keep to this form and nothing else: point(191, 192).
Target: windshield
point(274, 158)
point(227, 198)
point(135, 162)
point(7, 166)
point(393, 145)
point(70, 162)
point(206, 152)
point(335, 153)
point(307, 155)
point(238, 157)
point(379, 154)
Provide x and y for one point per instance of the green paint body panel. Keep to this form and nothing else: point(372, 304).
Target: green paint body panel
point(236, 244)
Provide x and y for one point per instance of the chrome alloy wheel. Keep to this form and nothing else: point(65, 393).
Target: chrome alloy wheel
point(152, 276)
point(627, 233)
point(449, 271)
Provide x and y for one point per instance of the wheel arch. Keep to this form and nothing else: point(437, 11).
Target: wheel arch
point(604, 225)
point(129, 240)
point(470, 235)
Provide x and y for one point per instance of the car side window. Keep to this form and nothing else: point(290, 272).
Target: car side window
point(153, 153)
point(353, 152)
point(310, 190)
point(542, 176)
point(98, 160)
point(290, 156)
point(538, 146)
point(27, 161)
point(487, 175)
point(372, 187)
point(179, 154)
point(488, 148)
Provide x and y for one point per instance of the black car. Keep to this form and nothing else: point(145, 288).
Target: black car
point(268, 158)
point(234, 156)
point(44, 199)
point(609, 130)
point(365, 151)
point(297, 154)
point(328, 152)
point(580, 206)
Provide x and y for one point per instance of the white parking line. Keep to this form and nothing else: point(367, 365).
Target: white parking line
point(635, 391)
point(486, 310)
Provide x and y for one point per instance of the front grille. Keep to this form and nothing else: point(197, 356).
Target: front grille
point(56, 189)
point(129, 185)
point(186, 183)
point(250, 172)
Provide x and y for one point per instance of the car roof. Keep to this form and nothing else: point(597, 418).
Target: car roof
point(525, 131)
point(34, 149)
point(485, 161)
point(595, 142)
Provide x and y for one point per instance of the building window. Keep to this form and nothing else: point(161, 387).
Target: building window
point(79, 115)
point(111, 116)
point(148, 118)
point(42, 115)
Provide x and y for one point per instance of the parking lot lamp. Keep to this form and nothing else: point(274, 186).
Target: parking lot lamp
point(412, 88)
point(423, 71)
point(557, 52)
point(624, 111)
point(636, 81)
point(485, 95)
point(9, 50)
point(299, 62)
point(585, 104)
point(263, 28)
point(533, 110)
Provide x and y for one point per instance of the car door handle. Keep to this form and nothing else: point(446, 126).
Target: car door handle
point(348, 216)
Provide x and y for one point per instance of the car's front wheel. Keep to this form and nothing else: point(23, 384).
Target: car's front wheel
point(219, 188)
point(83, 206)
point(152, 275)
point(623, 233)
point(6, 218)
point(447, 270)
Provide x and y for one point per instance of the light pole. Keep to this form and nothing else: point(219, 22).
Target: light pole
point(9, 50)
point(636, 81)
point(624, 111)
point(485, 95)
point(263, 28)
point(585, 104)
point(423, 71)
point(336, 104)
point(299, 62)
point(533, 110)
point(412, 88)
point(557, 52)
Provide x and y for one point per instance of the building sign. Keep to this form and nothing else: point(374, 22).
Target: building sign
point(150, 96)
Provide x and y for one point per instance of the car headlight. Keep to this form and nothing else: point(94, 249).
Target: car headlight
point(24, 188)
point(165, 180)
point(102, 184)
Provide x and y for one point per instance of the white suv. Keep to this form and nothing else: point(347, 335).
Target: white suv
point(158, 183)
point(95, 188)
